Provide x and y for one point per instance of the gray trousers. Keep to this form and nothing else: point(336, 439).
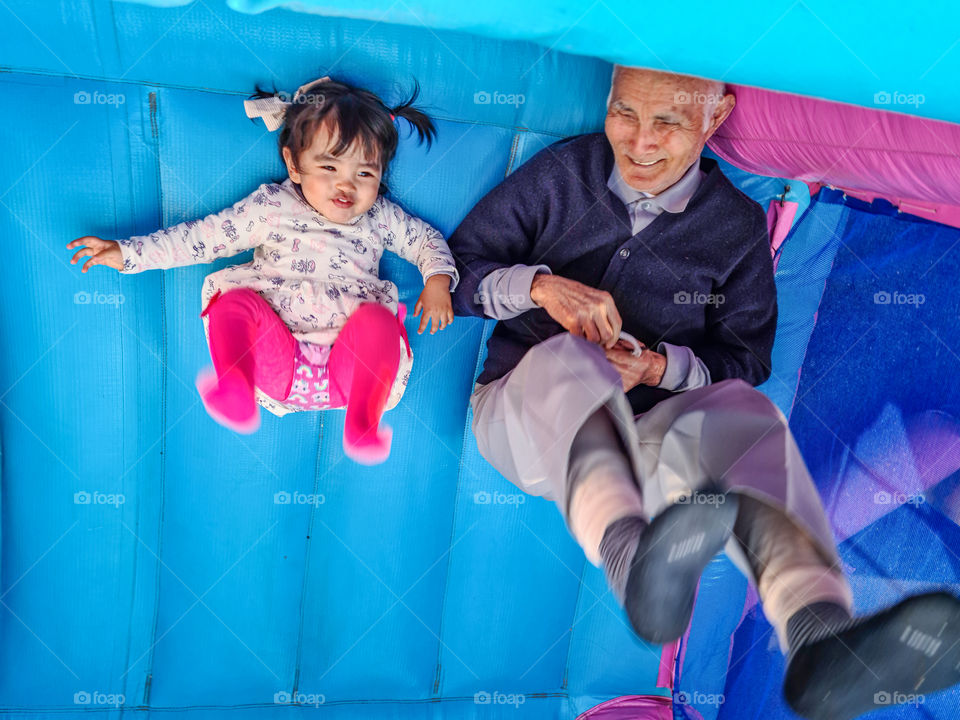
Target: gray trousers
point(727, 433)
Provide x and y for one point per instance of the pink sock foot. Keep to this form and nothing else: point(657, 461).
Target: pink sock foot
point(231, 402)
point(371, 447)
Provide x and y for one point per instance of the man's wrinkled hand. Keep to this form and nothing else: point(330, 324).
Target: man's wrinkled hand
point(582, 310)
point(647, 369)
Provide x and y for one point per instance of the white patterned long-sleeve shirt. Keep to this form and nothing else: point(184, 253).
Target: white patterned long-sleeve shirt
point(313, 272)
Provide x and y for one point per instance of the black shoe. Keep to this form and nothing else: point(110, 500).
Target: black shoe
point(671, 554)
point(896, 656)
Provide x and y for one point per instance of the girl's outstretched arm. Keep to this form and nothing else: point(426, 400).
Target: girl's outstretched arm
point(418, 242)
point(219, 235)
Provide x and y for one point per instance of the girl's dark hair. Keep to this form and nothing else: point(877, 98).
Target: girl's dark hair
point(358, 116)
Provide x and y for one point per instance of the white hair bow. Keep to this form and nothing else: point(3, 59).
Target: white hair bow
point(272, 110)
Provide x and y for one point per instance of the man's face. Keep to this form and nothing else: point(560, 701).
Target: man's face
point(656, 125)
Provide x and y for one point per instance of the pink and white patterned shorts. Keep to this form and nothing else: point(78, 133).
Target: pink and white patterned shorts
point(310, 389)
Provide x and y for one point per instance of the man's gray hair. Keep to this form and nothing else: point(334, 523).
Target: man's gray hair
point(713, 91)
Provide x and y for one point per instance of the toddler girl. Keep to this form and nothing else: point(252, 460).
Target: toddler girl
point(308, 324)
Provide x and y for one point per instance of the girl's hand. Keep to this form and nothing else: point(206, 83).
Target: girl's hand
point(435, 303)
point(100, 252)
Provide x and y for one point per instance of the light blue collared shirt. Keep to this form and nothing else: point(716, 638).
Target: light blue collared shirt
point(643, 207)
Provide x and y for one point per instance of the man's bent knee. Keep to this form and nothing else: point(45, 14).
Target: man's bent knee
point(566, 356)
point(745, 395)
point(561, 344)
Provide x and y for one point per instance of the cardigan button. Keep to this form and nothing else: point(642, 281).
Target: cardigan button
point(625, 253)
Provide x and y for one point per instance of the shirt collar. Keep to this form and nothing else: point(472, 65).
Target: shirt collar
point(674, 199)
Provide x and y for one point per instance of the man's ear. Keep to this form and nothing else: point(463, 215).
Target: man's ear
point(291, 165)
point(721, 112)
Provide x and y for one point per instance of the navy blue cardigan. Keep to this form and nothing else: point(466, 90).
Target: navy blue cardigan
point(557, 210)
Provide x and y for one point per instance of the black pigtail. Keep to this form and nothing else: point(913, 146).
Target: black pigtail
point(260, 93)
point(416, 117)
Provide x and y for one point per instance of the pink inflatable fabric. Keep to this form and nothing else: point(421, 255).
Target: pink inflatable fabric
point(631, 707)
point(642, 707)
point(913, 162)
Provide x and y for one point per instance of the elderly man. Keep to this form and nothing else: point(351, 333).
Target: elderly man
point(659, 460)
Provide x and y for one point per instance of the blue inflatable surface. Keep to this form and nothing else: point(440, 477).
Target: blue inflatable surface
point(157, 564)
point(880, 54)
point(150, 555)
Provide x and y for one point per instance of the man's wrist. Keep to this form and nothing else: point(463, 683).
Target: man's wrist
point(537, 286)
point(658, 366)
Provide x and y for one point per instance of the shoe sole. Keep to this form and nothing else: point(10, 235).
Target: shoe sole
point(206, 380)
point(895, 657)
point(373, 450)
point(670, 557)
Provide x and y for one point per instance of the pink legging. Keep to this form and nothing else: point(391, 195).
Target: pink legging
point(251, 347)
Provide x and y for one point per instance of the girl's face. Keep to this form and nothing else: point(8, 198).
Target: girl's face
point(339, 188)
